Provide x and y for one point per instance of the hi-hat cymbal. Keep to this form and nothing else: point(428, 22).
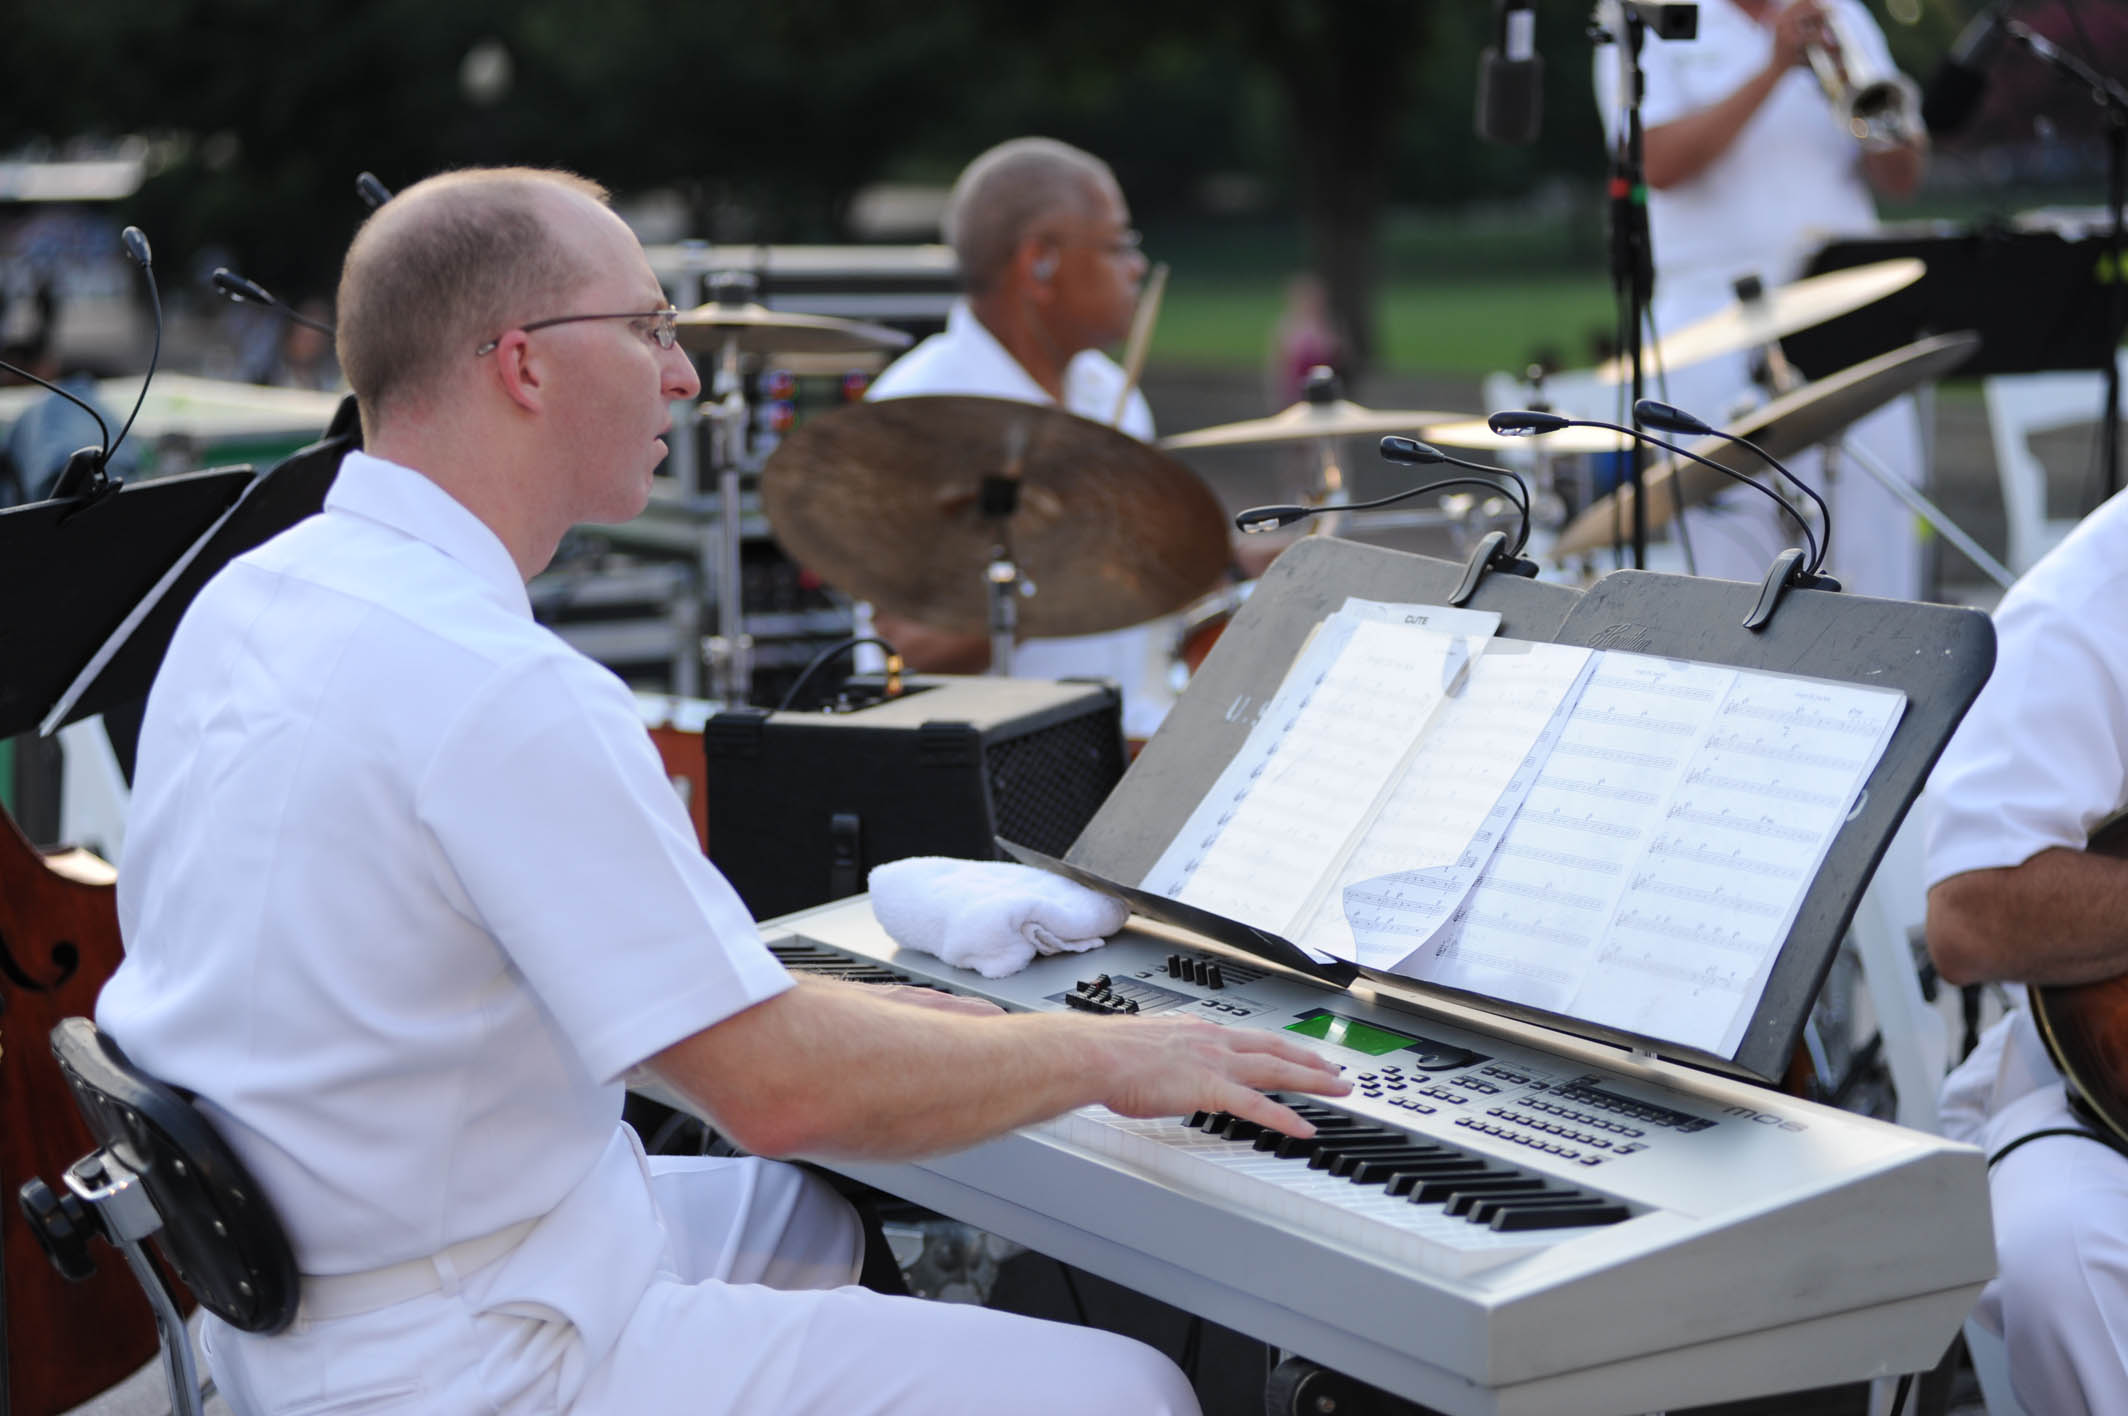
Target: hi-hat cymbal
point(1307, 422)
point(756, 329)
point(1803, 418)
point(882, 499)
point(1779, 312)
point(1472, 434)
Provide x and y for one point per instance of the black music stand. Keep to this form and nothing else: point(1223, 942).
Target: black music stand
point(127, 655)
point(70, 571)
point(2034, 298)
point(1939, 656)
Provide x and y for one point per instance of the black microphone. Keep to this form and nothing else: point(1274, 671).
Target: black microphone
point(1523, 422)
point(1511, 77)
point(136, 243)
point(1270, 518)
point(250, 292)
point(375, 193)
point(84, 473)
point(1413, 453)
point(1955, 90)
point(1652, 414)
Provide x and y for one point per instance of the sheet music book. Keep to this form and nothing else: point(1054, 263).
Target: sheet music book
point(1617, 837)
point(1266, 844)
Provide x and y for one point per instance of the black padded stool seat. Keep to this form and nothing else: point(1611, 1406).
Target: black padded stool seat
point(159, 1170)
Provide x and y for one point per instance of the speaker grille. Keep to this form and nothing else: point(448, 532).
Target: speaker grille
point(1046, 785)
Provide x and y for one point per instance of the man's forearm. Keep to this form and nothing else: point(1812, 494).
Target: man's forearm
point(1681, 149)
point(831, 1069)
point(2061, 917)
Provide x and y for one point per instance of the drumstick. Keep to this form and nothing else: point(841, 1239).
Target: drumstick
point(1141, 337)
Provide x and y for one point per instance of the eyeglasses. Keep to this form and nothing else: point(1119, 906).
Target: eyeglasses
point(664, 326)
point(1123, 243)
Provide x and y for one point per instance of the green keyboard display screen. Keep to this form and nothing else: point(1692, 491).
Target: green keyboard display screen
point(1350, 1032)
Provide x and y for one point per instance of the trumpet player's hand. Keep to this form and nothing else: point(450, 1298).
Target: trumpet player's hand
point(1800, 25)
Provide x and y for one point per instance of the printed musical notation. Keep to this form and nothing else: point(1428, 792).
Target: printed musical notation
point(1270, 838)
point(1617, 837)
point(1466, 782)
point(1656, 864)
point(1730, 853)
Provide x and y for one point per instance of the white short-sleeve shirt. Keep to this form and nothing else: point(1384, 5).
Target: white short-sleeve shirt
point(2040, 759)
point(407, 891)
point(967, 359)
point(2042, 756)
point(1791, 178)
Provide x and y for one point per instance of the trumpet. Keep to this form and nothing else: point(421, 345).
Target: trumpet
point(1879, 106)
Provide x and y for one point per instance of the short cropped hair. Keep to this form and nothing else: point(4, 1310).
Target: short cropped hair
point(1009, 191)
point(442, 266)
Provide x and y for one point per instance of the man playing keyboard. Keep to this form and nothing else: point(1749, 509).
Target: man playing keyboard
point(407, 898)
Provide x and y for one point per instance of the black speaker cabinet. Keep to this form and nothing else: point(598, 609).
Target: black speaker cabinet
point(803, 805)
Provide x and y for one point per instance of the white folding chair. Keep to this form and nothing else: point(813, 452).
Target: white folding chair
point(2020, 405)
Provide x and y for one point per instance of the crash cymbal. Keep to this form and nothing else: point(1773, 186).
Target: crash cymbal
point(881, 499)
point(756, 329)
point(1306, 422)
point(1473, 434)
point(1781, 311)
point(1810, 415)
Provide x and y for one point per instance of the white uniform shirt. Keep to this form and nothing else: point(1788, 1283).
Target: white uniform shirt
point(1791, 179)
point(967, 359)
point(1792, 176)
point(407, 892)
point(2042, 756)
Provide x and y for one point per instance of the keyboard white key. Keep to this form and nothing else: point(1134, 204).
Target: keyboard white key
point(1234, 1174)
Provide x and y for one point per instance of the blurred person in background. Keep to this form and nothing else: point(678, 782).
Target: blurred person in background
point(1051, 270)
point(1749, 172)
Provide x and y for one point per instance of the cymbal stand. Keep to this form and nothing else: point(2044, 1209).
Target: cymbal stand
point(2113, 99)
point(1927, 510)
point(1784, 378)
point(997, 499)
point(1330, 489)
point(1632, 250)
point(730, 648)
point(683, 460)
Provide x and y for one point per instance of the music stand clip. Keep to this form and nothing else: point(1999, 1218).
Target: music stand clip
point(1785, 574)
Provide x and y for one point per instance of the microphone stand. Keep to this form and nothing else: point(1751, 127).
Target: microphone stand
point(1632, 249)
point(2109, 96)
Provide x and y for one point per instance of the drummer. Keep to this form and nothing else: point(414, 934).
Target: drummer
point(1051, 269)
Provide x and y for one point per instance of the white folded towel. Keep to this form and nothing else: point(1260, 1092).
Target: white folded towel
point(989, 915)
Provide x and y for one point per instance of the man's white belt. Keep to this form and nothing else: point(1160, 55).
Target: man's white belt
point(343, 1295)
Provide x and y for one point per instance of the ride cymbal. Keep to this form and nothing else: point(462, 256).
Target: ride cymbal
point(1308, 422)
point(884, 501)
point(1812, 414)
point(1748, 324)
point(756, 329)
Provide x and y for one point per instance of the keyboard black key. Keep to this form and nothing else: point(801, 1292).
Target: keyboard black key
point(1413, 1178)
point(1463, 1191)
point(1470, 1197)
point(1329, 1150)
point(1489, 1205)
point(1559, 1217)
point(1377, 1169)
point(1345, 1164)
